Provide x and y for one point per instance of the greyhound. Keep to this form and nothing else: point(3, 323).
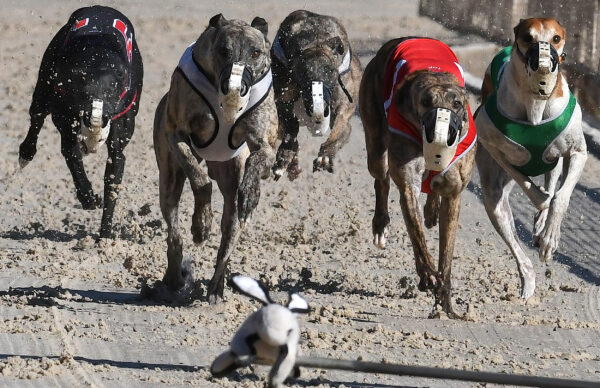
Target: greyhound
point(220, 108)
point(419, 131)
point(270, 334)
point(530, 125)
point(316, 77)
point(90, 81)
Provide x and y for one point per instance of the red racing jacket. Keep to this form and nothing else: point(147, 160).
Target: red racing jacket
point(422, 54)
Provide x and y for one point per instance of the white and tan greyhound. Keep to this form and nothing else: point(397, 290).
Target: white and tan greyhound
point(530, 125)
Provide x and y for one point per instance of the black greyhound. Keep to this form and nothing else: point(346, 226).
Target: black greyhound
point(90, 81)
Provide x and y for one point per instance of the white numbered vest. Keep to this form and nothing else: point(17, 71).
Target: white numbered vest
point(220, 147)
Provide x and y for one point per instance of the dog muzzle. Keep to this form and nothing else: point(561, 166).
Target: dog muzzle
point(93, 137)
point(320, 117)
point(441, 132)
point(234, 91)
point(542, 69)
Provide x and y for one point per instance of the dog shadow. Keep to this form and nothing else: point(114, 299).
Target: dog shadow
point(581, 194)
point(47, 296)
point(37, 230)
point(306, 283)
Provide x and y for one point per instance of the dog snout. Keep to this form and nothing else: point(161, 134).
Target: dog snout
point(245, 84)
point(542, 56)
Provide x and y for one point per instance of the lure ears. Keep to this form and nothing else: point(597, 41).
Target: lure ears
point(250, 287)
point(297, 304)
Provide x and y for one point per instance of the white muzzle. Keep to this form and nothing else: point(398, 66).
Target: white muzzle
point(542, 81)
point(94, 136)
point(233, 104)
point(318, 125)
point(438, 154)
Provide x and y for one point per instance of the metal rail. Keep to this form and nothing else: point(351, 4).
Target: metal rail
point(441, 373)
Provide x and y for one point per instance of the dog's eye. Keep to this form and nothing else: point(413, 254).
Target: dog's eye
point(457, 104)
point(255, 54)
point(556, 39)
point(528, 38)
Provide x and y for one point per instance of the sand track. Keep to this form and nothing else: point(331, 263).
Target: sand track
point(70, 311)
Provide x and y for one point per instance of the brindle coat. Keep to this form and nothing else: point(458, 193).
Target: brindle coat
point(314, 46)
point(396, 156)
point(183, 113)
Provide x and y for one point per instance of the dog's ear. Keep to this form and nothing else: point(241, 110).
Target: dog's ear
point(336, 45)
point(217, 21)
point(297, 304)
point(252, 288)
point(516, 29)
point(261, 25)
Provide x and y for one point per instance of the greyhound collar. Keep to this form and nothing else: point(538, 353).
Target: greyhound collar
point(220, 147)
point(534, 138)
point(279, 52)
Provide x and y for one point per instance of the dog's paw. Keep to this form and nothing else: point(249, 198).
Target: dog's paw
point(90, 201)
point(430, 280)
point(26, 154)
point(380, 229)
point(527, 287)
point(548, 241)
point(380, 239)
point(294, 170)
point(215, 291)
point(323, 162)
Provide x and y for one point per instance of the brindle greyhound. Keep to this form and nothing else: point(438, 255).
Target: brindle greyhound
point(316, 77)
point(90, 81)
point(411, 97)
point(220, 108)
point(530, 125)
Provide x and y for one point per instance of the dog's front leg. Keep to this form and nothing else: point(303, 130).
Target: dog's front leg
point(540, 198)
point(72, 154)
point(287, 154)
point(258, 165)
point(340, 134)
point(449, 211)
point(200, 183)
point(227, 174)
point(550, 182)
point(550, 235)
point(118, 139)
point(405, 175)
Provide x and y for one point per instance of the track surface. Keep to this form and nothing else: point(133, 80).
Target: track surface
point(70, 311)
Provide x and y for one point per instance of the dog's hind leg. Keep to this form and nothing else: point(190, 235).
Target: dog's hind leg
point(171, 181)
point(376, 138)
point(118, 139)
point(37, 112)
point(496, 185)
point(42, 97)
point(228, 176)
point(550, 182)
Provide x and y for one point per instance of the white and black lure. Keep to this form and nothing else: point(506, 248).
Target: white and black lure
point(270, 334)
